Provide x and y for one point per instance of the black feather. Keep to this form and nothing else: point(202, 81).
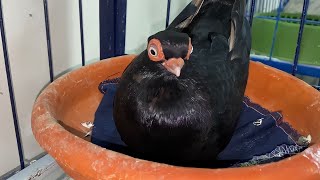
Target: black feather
point(188, 120)
point(174, 44)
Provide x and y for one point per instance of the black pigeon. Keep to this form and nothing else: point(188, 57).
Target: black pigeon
point(178, 102)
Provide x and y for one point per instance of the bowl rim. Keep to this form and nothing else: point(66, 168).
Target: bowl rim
point(77, 155)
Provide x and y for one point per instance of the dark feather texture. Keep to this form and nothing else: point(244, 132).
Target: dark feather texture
point(188, 120)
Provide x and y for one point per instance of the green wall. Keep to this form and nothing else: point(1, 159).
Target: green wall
point(286, 40)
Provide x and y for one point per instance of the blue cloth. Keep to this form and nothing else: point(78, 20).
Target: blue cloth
point(260, 137)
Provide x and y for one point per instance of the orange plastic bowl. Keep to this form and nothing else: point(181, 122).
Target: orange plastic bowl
point(73, 99)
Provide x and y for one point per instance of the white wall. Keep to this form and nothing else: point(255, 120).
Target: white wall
point(65, 33)
point(64, 24)
point(28, 57)
point(8, 150)
point(91, 30)
point(176, 7)
point(142, 22)
point(146, 17)
point(27, 48)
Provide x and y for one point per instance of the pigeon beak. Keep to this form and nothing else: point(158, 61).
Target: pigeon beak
point(174, 65)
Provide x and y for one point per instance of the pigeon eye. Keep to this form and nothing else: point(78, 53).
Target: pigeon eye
point(153, 51)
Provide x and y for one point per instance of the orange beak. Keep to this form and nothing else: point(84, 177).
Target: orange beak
point(174, 65)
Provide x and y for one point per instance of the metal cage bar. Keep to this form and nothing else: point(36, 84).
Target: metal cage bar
point(302, 23)
point(83, 57)
point(293, 68)
point(120, 20)
point(275, 29)
point(48, 37)
point(11, 91)
point(112, 27)
point(112, 43)
point(168, 13)
point(253, 5)
point(107, 28)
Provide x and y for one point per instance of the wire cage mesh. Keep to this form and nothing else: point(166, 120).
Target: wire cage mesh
point(273, 18)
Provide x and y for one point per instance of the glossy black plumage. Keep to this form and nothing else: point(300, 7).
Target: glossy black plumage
point(188, 120)
point(168, 39)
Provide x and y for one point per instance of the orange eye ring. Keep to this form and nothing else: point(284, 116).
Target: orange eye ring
point(155, 51)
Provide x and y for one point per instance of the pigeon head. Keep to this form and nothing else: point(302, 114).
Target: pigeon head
point(171, 49)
